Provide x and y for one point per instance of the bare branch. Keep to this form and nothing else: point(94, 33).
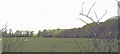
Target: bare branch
point(99, 28)
point(91, 7)
point(83, 21)
point(88, 17)
point(82, 8)
point(96, 15)
point(88, 12)
point(103, 15)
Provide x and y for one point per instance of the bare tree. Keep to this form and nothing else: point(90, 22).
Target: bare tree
point(96, 42)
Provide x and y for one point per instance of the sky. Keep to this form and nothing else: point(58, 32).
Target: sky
point(37, 15)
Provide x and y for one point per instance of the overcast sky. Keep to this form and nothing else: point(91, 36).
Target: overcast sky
point(51, 14)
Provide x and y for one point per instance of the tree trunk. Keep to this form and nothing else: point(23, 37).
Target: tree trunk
point(119, 8)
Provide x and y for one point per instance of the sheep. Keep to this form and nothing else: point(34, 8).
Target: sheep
point(26, 40)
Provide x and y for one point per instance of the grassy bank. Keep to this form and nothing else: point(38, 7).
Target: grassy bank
point(60, 45)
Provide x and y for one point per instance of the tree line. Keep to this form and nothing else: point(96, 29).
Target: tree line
point(110, 28)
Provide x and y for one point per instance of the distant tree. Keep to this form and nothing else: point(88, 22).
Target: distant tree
point(44, 32)
point(39, 33)
point(17, 33)
point(32, 33)
point(10, 32)
point(4, 30)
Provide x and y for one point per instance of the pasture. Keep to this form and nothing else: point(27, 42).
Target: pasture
point(59, 45)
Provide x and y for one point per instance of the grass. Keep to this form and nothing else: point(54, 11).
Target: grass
point(59, 45)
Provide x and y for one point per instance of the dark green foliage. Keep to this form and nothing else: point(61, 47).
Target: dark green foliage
point(109, 27)
point(91, 30)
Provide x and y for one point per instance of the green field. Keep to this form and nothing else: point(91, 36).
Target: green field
point(59, 45)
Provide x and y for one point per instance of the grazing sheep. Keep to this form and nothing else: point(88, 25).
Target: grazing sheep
point(26, 40)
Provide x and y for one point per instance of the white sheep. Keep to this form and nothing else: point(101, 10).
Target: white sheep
point(26, 40)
